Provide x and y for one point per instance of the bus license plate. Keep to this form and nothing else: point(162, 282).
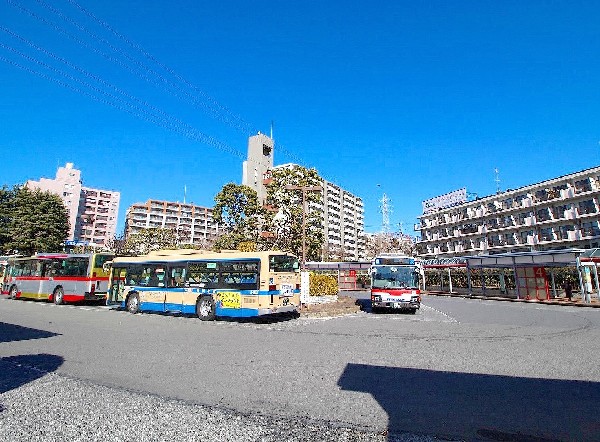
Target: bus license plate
point(401, 304)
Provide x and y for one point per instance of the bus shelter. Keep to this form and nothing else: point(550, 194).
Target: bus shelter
point(443, 265)
point(534, 272)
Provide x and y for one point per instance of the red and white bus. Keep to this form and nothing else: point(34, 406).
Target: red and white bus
point(395, 283)
point(58, 277)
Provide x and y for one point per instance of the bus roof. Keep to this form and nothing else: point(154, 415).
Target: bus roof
point(192, 255)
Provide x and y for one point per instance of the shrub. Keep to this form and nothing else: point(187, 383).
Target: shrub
point(323, 285)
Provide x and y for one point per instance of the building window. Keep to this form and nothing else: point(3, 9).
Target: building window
point(559, 211)
point(543, 215)
point(586, 207)
point(546, 234)
point(590, 228)
point(583, 186)
point(563, 231)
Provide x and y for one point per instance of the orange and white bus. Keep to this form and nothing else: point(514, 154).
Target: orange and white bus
point(207, 284)
point(395, 282)
point(58, 277)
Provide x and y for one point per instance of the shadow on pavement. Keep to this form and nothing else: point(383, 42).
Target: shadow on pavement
point(12, 332)
point(479, 407)
point(16, 371)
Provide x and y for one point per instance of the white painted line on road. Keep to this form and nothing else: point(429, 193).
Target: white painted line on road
point(450, 318)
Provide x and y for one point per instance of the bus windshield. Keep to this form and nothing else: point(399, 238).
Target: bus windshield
point(283, 263)
point(395, 277)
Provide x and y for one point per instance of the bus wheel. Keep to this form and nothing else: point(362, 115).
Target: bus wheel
point(133, 303)
point(59, 296)
point(205, 308)
point(12, 294)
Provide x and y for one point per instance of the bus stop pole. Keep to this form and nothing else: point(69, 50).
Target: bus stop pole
point(552, 282)
point(516, 278)
point(581, 285)
point(596, 278)
point(450, 280)
point(469, 279)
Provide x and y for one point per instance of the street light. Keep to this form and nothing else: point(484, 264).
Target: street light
point(304, 189)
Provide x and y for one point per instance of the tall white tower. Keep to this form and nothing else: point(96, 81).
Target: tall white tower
point(259, 162)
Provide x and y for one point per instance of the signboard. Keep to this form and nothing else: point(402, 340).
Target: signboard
point(387, 261)
point(444, 201)
point(304, 287)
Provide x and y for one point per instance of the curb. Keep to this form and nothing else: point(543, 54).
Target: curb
point(579, 303)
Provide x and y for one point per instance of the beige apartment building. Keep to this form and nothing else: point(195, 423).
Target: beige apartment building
point(559, 213)
point(193, 224)
point(92, 212)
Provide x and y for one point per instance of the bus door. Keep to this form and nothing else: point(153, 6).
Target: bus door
point(118, 277)
point(29, 282)
point(153, 287)
point(176, 297)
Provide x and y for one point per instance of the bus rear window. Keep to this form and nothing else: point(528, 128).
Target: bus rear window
point(283, 263)
point(100, 259)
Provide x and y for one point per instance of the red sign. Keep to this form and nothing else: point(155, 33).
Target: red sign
point(353, 273)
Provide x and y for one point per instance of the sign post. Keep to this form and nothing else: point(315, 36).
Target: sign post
point(304, 287)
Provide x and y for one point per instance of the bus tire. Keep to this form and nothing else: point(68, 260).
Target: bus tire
point(413, 311)
point(58, 296)
point(133, 303)
point(12, 293)
point(205, 308)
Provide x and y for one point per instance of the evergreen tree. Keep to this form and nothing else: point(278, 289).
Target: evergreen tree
point(34, 221)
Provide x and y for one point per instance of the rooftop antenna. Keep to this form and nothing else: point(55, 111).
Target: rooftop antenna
point(497, 179)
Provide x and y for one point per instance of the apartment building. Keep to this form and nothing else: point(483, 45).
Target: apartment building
point(194, 224)
point(559, 213)
point(92, 212)
point(344, 224)
point(343, 221)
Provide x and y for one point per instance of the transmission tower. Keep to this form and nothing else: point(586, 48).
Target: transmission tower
point(497, 179)
point(386, 209)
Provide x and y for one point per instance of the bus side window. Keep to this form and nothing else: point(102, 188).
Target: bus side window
point(177, 277)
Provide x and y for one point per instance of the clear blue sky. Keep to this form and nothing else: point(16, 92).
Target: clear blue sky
point(420, 97)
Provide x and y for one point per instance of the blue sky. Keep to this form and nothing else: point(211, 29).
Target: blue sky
point(414, 99)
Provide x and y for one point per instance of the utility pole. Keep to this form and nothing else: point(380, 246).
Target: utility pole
point(304, 189)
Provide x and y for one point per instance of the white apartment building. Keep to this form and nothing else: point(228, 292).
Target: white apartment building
point(92, 212)
point(560, 213)
point(194, 224)
point(344, 224)
point(343, 221)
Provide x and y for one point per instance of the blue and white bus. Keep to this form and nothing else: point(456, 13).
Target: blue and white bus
point(208, 284)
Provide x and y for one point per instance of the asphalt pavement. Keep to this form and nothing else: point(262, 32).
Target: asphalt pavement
point(461, 369)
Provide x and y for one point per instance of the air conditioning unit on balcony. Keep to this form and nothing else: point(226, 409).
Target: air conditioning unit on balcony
point(574, 235)
point(567, 193)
